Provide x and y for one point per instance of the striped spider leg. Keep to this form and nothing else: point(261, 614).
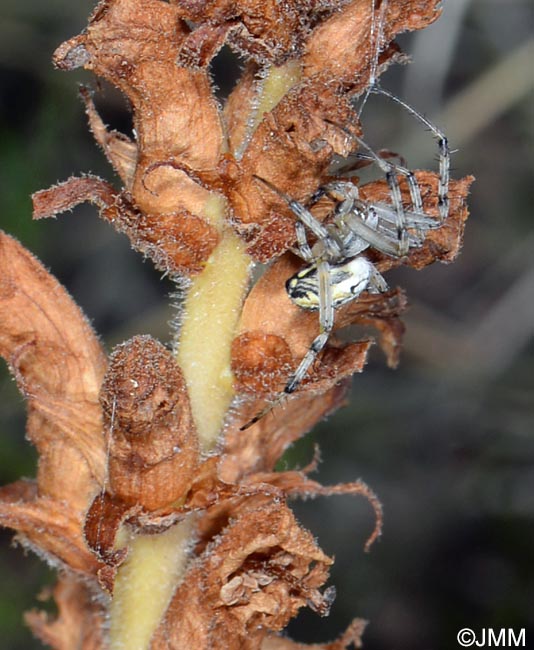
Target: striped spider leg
point(444, 152)
point(335, 273)
point(336, 270)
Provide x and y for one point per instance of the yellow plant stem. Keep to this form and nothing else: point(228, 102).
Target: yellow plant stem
point(157, 563)
point(145, 583)
point(213, 307)
point(277, 83)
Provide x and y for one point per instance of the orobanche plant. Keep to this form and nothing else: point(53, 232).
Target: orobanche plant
point(156, 495)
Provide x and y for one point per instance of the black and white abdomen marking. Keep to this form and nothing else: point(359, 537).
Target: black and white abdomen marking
point(347, 279)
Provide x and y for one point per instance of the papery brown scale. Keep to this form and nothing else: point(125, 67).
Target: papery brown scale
point(297, 483)
point(382, 313)
point(134, 44)
point(177, 242)
point(352, 637)
point(263, 444)
point(343, 47)
point(267, 31)
point(153, 446)
point(262, 361)
point(281, 570)
point(119, 149)
point(58, 364)
point(67, 195)
point(48, 526)
point(292, 149)
point(102, 522)
point(80, 620)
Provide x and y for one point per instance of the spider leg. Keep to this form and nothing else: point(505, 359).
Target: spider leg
point(326, 319)
point(366, 231)
point(389, 170)
point(443, 147)
point(304, 249)
point(372, 236)
point(377, 283)
point(372, 230)
point(413, 185)
point(349, 207)
point(326, 322)
point(333, 247)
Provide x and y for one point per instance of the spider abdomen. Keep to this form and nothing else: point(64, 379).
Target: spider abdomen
point(347, 280)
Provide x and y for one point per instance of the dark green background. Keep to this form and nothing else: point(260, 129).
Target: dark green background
point(447, 440)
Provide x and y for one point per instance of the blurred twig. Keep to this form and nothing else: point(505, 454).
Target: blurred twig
point(434, 49)
point(473, 109)
point(491, 95)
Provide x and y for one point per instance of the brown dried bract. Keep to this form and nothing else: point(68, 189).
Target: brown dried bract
point(293, 145)
point(260, 447)
point(251, 579)
point(48, 526)
point(80, 619)
point(179, 139)
point(58, 364)
point(152, 443)
point(265, 30)
point(185, 148)
point(352, 637)
point(170, 240)
point(441, 244)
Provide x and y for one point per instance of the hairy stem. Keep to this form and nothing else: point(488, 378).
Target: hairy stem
point(211, 314)
point(156, 563)
point(144, 585)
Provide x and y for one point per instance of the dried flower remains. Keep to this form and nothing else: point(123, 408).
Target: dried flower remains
point(169, 524)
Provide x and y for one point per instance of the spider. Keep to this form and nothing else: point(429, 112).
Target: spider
point(337, 270)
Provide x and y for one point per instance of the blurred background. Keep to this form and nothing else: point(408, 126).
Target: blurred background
point(446, 440)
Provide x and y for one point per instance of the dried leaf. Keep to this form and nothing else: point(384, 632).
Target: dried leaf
point(135, 44)
point(67, 195)
point(351, 637)
point(170, 240)
point(292, 147)
point(80, 621)
point(343, 47)
point(381, 312)
point(253, 578)
point(260, 447)
point(47, 526)
point(295, 483)
point(119, 149)
point(267, 31)
point(58, 364)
